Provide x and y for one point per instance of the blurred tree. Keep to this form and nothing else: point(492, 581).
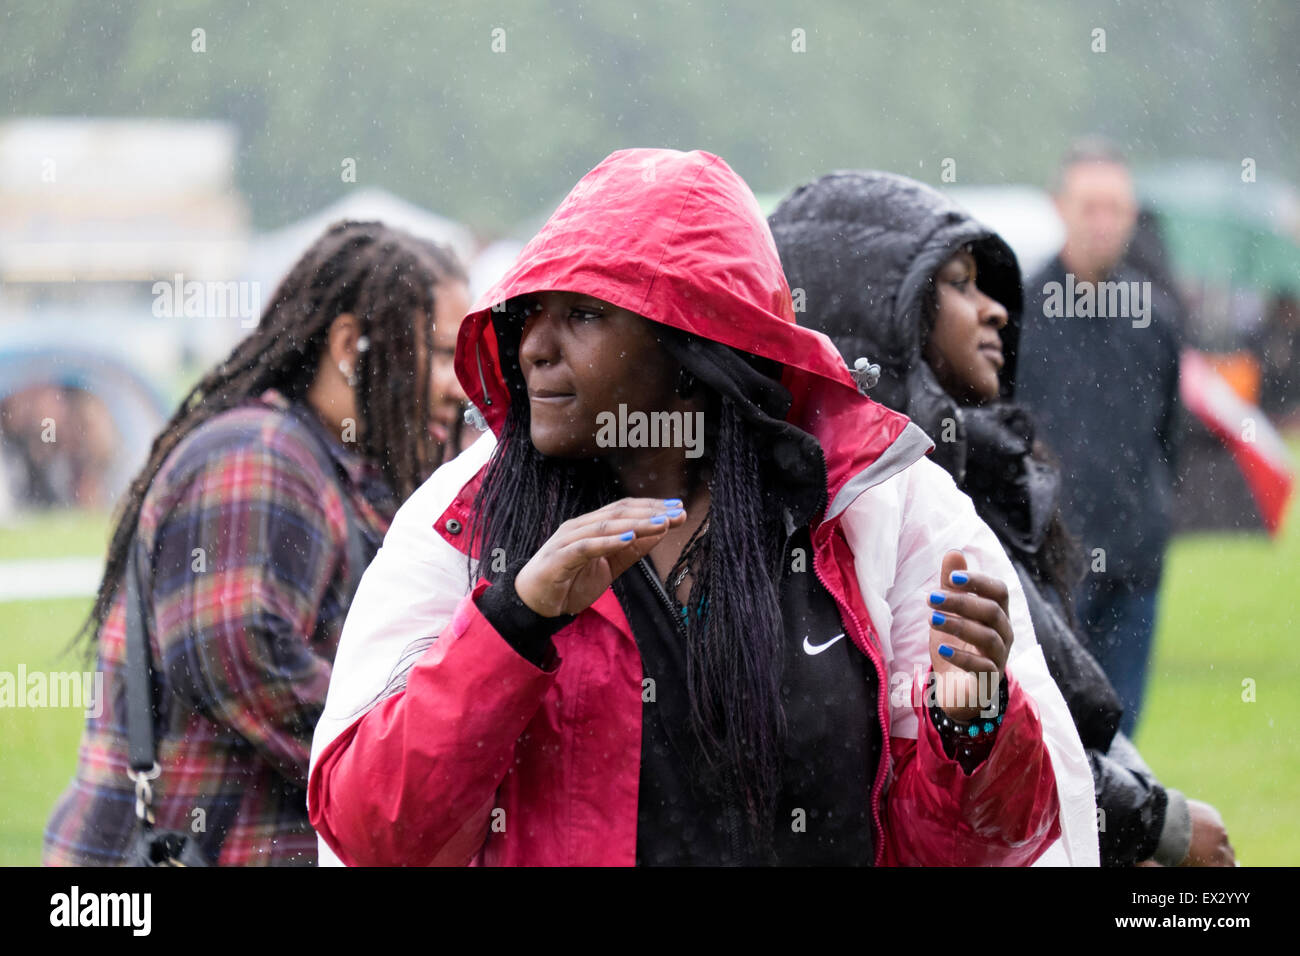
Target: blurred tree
point(493, 126)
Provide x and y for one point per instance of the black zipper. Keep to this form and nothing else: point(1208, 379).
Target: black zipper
point(673, 613)
point(733, 833)
point(732, 811)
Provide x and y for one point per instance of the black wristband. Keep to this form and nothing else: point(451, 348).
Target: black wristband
point(528, 632)
point(967, 748)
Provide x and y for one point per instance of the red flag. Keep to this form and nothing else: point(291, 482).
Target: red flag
point(1246, 431)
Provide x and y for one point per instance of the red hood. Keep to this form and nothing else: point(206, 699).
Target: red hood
point(679, 239)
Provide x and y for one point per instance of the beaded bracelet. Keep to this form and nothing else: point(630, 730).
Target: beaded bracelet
point(968, 730)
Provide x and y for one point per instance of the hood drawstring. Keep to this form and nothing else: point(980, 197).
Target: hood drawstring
point(482, 380)
point(473, 416)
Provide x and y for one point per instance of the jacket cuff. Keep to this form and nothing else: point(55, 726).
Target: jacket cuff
point(528, 632)
point(953, 734)
point(1176, 836)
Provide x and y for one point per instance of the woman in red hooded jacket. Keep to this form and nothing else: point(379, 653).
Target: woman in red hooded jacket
point(695, 600)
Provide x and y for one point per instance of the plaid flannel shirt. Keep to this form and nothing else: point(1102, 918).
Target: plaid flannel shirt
point(245, 594)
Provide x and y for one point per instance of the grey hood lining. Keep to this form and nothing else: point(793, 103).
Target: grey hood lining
point(908, 448)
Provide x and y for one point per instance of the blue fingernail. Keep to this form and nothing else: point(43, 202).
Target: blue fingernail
point(936, 598)
point(936, 619)
point(674, 512)
point(672, 501)
point(959, 577)
point(658, 519)
point(627, 536)
point(945, 650)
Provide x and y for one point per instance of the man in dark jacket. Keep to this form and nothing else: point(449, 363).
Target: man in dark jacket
point(1099, 369)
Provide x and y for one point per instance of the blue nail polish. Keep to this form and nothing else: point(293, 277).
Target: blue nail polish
point(670, 502)
point(945, 650)
point(960, 577)
point(936, 619)
point(627, 536)
point(674, 512)
point(658, 519)
point(936, 598)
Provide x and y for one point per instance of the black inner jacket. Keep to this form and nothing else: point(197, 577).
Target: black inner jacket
point(833, 744)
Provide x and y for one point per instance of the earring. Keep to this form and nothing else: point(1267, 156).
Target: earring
point(685, 383)
point(348, 374)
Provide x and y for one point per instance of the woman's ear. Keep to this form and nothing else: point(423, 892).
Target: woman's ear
point(341, 341)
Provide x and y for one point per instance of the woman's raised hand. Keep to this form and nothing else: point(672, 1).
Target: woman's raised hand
point(586, 553)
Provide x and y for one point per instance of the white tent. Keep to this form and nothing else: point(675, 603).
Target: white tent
point(117, 200)
point(272, 254)
point(1022, 215)
point(492, 262)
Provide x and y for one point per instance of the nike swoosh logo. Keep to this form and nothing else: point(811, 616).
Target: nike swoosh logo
point(818, 648)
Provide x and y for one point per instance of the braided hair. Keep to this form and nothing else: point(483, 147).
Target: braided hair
point(383, 276)
point(734, 624)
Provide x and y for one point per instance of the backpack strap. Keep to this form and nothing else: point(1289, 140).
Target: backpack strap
point(142, 743)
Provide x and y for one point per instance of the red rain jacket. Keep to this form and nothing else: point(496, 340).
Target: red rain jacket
point(485, 758)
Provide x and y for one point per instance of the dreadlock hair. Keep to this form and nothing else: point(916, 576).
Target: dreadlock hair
point(383, 276)
point(734, 625)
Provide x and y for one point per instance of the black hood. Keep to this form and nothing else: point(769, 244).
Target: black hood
point(858, 247)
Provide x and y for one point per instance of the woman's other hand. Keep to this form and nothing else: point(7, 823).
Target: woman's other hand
point(970, 638)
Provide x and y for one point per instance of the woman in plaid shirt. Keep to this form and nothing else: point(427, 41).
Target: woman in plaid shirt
point(250, 551)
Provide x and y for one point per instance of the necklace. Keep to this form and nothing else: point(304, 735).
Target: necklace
point(682, 566)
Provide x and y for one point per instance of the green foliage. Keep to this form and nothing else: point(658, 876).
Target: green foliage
point(415, 94)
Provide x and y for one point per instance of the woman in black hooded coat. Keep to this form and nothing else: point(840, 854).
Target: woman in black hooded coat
point(872, 256)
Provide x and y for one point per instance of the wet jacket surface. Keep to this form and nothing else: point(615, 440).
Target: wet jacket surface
point(487, 758)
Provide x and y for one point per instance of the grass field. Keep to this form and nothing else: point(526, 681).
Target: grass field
point(1227, 612)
